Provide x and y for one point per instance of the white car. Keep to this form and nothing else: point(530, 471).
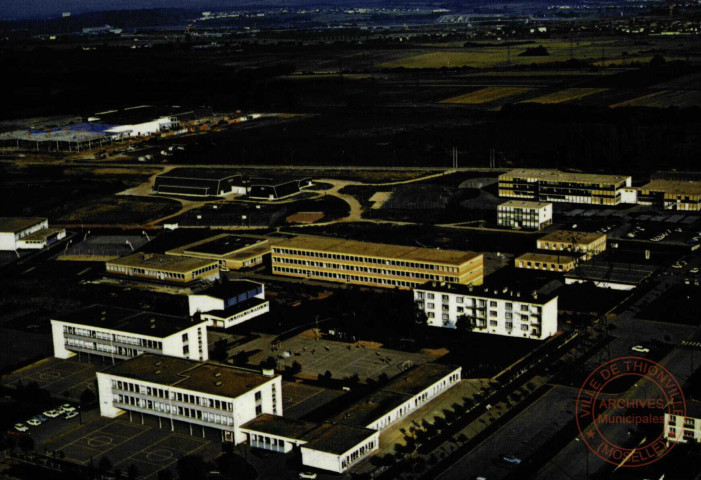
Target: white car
point(639, 349)
point(694, 270)
point(59, 410)
point(33, 422)
point(67, 407)
point(70, 415)
point(51, 413)
point(21, 427)
point(307, 475)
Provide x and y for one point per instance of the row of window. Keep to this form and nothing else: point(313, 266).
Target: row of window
point(357, 259)
point(233, 318)
point(475, 302)
point(120, 338)
point(357, 454)
point(172, 395)
point(342, 277)
point(181, 411)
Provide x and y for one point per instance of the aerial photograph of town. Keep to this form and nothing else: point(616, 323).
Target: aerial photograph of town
point(350, 239)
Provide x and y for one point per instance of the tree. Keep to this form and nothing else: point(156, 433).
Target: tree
point(219, 352)
point(87, 397)
point(296, 368)
point(191, 467)
point(464, 323)
point(105, 465)
point(132, 472)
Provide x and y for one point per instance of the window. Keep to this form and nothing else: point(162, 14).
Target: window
point(258, 396)
point(259, 409)
point(430, 296)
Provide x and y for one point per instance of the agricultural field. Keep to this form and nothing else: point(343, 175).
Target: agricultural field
point(664, 99)
point(566, 95)
point(487, 95)
point(491, 56)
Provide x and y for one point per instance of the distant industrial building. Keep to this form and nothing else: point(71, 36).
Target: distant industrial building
point(528, 215)
point(584, 244)
point(616, 276)
point(120, 333)
point(559, 263)
point(489, 310)
point(27, 233)
point(230, 303)
point(199, 182)
point(684, 428)
point(233, 252)
point(671, 194)
point(276, 189)
point(556, 186)
point(373, 264)
point(163, 268)
point(197, 393)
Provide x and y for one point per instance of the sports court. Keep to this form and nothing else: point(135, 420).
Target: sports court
point(299, 399)
point(149, 446)
point(66, 378)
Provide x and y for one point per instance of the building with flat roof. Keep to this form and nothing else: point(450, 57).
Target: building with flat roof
point(373, 264)
point(233, 252)
point(229, 303)
point(584, 244)
point(498, 311)
point(617, 276)
point(276, 189)
point(684, 428)
point(555, 186)
point(548, 262)
point(684, 195)
point(120, 333)
point(199, 182)
point(41, 238)
point(163, 268)
point(198, 393)
point(13, 230)
point(525, 214)
point(342, 441)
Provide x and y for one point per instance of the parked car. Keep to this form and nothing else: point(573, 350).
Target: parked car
point(510, 459)
point(694, 270)
point(51, 413)
point(67, 407)
point(21, 427)
point(70, 415)
point(33, 422)
point(639, 349)
point(308, 475)
point(41, 418)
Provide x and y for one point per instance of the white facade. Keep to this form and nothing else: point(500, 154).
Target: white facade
point(339, 463)
point(41, 239)
point(489, 311)
point(119, 394)
point(144, 129)
point(225, 311)
point(70, 339)
point(525, 214)
point(681, 429)
point(10, 237)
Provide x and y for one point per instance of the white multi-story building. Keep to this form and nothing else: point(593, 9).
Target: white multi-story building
point(230, 303)
point(525, 214)
point(684, 428)
point(488, 310)
point(120, 333)
point(198, 393)
point(14, 229)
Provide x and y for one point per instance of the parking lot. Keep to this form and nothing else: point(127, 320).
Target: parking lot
point(62, 378)
point(342, 359)
point(149, 446)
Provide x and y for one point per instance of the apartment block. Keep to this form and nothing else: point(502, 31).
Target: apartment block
point(524, 214)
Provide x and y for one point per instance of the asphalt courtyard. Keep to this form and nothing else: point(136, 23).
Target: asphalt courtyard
point(63, 378)
point(148, 446)
point(298, 399)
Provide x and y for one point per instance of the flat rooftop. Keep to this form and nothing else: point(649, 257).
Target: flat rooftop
point(129, 321)
point(157, 261)
point(570, 236)
point(487, 291)
point(338, 438)
point(200, 173)
point(371, 408)
point(223, 245)
point(674, 187)
point(524, 204)
point(630, 274)
point(229, 289)
point(420, 378)
point(44, 233)
point(563, 259)
point(551, 175)
point(236, 308)
point(204, 377)
point(280, 426)
point(379, 250)
point(17, 224)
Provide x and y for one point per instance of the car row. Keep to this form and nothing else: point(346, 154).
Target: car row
point(66, 410)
